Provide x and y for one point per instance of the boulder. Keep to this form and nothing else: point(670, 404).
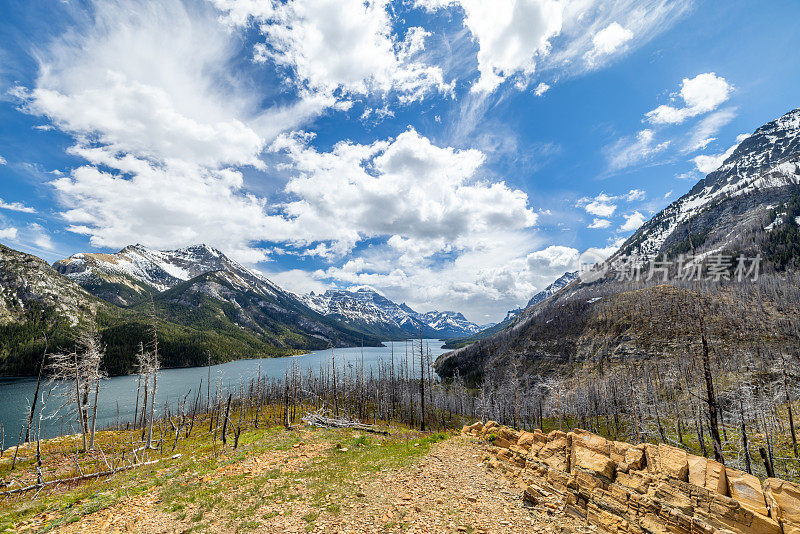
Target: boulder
point(554, 453)
point(476, 427)
point(595, 462)
point(783, 499)
point(747, 490)
point(673, 462)
point(707, 474)
point(593, 442)
point(490, 425)
point(508, 434)
point(634, 458)
point(502, 442)
point(525, 440)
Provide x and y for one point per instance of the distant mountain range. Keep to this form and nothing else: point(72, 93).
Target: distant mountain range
point(207, 305)
point(368, 310)
point(749, 207)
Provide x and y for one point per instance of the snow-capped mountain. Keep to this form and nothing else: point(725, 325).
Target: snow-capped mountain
point(367, 309)
point(748, 207)
point(137, 269)
point(200, 287)
point(756, 177)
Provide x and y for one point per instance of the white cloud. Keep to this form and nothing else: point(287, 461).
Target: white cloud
point(599, 223)
point(340, 44)
point(591, 26)
point(601, 209)
point(243, 12)
point(16, 206)
point(711, 162)
point(511, 35)
point(632, 222)
point(151, 82)
point(541, 89)
point(40, 236)
point(635, 195)
point(701, 94)
point(519, 38)
point(701, 134)
point(406, 187)
point(3, 160)
point(630, 151)
point(8, 233)
point(607, 41)
point(668, 194)
point(554, 257)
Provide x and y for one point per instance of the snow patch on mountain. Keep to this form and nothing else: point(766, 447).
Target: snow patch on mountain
point(366, 306)
point(770, 158)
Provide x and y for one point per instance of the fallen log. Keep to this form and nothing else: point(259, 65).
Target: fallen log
point(320, 420)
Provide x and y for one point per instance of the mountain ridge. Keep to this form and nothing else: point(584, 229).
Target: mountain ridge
point(374, 312)
point(747, 208)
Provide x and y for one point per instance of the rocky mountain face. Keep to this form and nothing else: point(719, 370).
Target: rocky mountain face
point(136, 271)
point(549, 291)
point(198, 286)
point(728, 205)
point(370, 311)
point(748, 207)
point(37, 303)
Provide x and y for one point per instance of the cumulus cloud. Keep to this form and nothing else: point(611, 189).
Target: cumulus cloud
point(511, 35)
point(607, 41)
point(599, 223)
point(3, 160)
point(601, 209)
point(632, 222)
point(629, 151)
point(340, 44)
point(406, 187)
point(707, 163)
point(541, 89)
point(701, 94)
point(16, 206)
point(517, 39)
point(151, 82)
point(8, 233)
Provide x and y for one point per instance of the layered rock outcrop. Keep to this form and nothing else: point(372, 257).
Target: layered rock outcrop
point(645, 488)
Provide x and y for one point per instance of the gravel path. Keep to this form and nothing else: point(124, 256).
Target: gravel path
point(450, 489)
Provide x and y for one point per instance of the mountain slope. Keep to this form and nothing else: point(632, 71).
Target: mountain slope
point(368, 311)
point(749, 206)
point(35, 301)
point(756, 177)
point(512, 316)
point(199, 287)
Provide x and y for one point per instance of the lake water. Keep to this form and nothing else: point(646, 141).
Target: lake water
point(119, 393)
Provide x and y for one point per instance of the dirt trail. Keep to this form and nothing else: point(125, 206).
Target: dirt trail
point(450, 489)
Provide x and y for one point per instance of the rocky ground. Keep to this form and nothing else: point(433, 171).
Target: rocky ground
point(328, 481)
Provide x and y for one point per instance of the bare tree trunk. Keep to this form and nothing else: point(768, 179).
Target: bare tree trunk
point(94, 411)
point(789, 404)
point(36, 392)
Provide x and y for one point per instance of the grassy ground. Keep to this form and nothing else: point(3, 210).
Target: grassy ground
point(203, 485)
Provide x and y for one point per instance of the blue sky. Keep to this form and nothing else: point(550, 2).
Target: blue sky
point(453, 154)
